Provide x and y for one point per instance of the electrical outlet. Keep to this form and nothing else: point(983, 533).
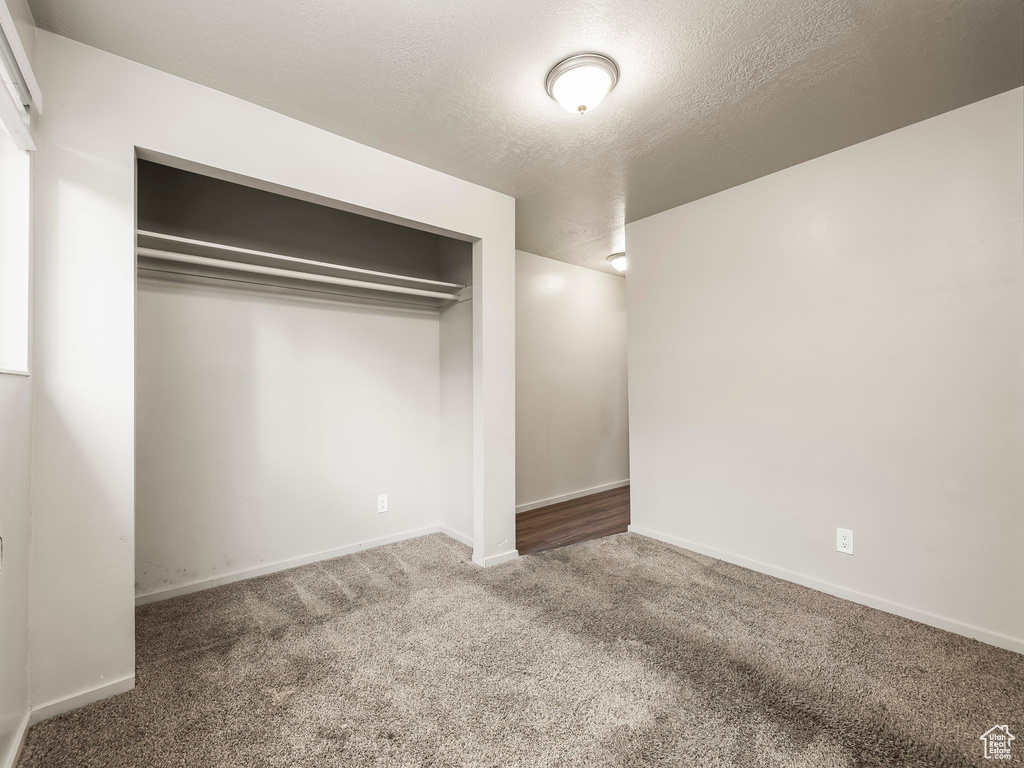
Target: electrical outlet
point(844, 541)
point(382, 503)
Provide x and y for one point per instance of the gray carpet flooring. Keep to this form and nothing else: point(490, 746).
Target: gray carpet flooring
point(616, 652)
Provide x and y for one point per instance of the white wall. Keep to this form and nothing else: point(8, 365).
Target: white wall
point(25, 25)
point(456, 359)
point(571, 411)
point(15, 435)
point(15, 417)
point(101, 108)
point(455, 265)
point(840, 344)
point(457, 418)
point(15, 250)
point(269, 422)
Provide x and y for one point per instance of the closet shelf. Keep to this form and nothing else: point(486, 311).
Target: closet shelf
point(452, 294)
point(240, 266)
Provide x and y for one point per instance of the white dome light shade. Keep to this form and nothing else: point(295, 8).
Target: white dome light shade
point(581, 89)
point(580, 82)
point(618, 261)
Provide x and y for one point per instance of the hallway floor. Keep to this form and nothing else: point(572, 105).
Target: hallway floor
point(568, 522)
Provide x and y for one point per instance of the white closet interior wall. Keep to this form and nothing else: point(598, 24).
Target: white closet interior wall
point(456, 265)
point(269, 419)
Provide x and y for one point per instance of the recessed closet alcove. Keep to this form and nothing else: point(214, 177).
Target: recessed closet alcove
point(294, 362)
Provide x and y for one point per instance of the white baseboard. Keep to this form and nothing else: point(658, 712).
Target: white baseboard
point(570, 496)
point(451, 534)
point(498, 559)
point(950, 625)
point(14, 752)
point(295, 562)
point(75, 701)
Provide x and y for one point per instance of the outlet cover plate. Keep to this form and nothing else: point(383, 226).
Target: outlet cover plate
point(844, 541)
point(382, 503)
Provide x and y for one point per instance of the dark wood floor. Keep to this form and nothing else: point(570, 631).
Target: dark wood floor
point(588, 517)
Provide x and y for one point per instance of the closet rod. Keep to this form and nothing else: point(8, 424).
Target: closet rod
point(237, 266)
point(294, 259)
point(312, 290)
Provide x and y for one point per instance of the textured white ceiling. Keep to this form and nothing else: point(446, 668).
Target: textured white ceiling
point(713, 93)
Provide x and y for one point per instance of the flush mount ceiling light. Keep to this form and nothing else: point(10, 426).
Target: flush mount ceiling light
point(580, 82)
point(618, 260)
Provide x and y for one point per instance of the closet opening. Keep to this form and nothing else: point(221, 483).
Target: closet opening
point(304, 382)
